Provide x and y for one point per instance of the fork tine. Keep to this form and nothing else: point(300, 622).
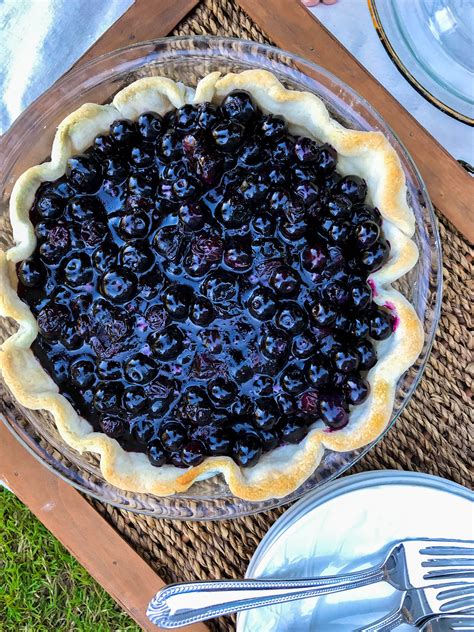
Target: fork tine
point(466, 562)
point(446, 547)
point(453, 576)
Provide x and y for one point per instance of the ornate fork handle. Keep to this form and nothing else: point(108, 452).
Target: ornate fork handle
point(183, 604)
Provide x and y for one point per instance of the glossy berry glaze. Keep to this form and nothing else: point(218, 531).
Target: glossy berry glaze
point(200, 284)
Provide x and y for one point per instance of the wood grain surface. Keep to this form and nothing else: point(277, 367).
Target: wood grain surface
point(292, 27)
point(82, 530)
point(146, 19)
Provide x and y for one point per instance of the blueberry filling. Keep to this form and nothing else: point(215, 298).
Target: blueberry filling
point(200, 284)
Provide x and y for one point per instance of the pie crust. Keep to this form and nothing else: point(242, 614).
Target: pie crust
point(284, 469)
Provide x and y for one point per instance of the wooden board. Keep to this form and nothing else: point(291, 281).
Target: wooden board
point(82, 530)
point(294, 28)
point(146, 19)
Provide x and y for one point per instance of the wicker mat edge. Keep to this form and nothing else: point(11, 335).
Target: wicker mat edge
point(431, 436)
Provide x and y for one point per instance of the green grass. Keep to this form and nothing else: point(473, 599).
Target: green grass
point(42, 587)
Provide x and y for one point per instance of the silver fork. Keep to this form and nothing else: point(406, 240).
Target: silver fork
point(408, 564)
point(420, 607)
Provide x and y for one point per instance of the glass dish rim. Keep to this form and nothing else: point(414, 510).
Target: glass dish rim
point(406, 73)
point(257, 48)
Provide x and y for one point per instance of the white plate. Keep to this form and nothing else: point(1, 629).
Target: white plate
point(347, 526)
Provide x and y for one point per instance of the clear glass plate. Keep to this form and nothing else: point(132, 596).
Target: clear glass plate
point(28, 142)
point(432, 44)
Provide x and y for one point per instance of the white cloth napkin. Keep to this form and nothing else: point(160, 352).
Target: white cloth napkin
point(350, 22)
point(41, 40)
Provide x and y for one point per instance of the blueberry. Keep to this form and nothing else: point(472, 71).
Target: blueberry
point(237, 258)
point(308, 404)
point(340, 207)
point(274, 345)
point(171, 146)
point(283, 150)
point(366, 234)
point(150, 125)
point(112, 425)
point(381, 325)
point(82, 373)
point(233, 213)
point(306, 150)
point(263, 223)
point(156, 454)
point(201, 312)
point(134, 225)
point(168, 343)
point(375, 256)
point(49, 206)
point(193, 453)
point(185, 117)
point(217, 441)
point(84, 208)
point(293, 231)
point(192, 215)
point(346, 360)
point(142, 156)
point(195, 405)
point(78, 270)
point(266, 413)
point(356, 389)
point(167, 242)
point(222, 391)
point(140, 369)
point(186, 188)
point(291, 318)
point(220, 287)
point(42, 230)
point(208, 168)
point(353, 187)
point(115, 169)
point(136, 256)
point(207, 116)
point(268, 439)
point(228, 136)
point(247, 450)
point(308, 193)
point(336, 293)
point(292, 380)
point(93, 233)
point(276, 177)
point(328, 345)
point(317, 374)
point(263, 386)
point(123, 132)
point(58, 242)
point(278, 200)
point(104, 145)
point(109, 370)
point(105, 257)
point(238, 106)
point(106, 397)
point(303, 345)
point(333, 411)
point(51, 320)
point(134, 399)
point(365, 213)
point(31, 272)
point(322, 314)
point(262, 303)
point(293, 430)
point(59, 369)
point(339, 231)
point(143, 430)
point(252, 155)
point(326, 159)
point(286, 404)
point(119, 286)
point(177, 301)
point(83, 173)
point(285, 281)
point(361, 296)
point(359, 328)
point(314, 258)
point(272, 127)
point(253, 191)
point(173, 435)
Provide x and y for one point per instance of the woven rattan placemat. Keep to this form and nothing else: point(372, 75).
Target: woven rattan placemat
point(431, 436)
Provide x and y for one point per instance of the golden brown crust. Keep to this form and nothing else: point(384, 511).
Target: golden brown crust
point(281, 471)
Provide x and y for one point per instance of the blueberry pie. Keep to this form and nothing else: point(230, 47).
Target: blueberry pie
point(202, 282)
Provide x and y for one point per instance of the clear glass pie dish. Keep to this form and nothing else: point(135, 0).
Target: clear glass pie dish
point(28, 142)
